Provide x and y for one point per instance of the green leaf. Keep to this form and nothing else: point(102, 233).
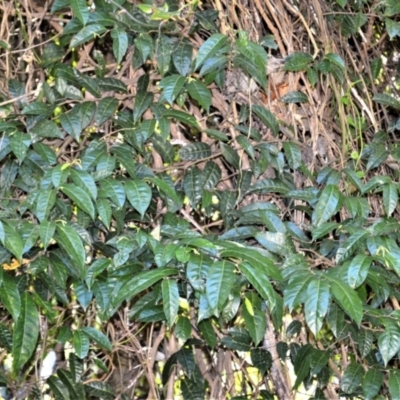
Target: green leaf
point(81, 344)
point(106, 108)
point(10, 296)
point(163, 54)
point(296, 291)
point(13, 242)
point(230, 155)
point(182, 58)
point(358, 270)
point(392, 28)
point(183, 117)
point(193, 184)
point(143, 98)
point(209, 48)
point(329, 204)
point(390, 198)
point(199, 92)
point(170, 295)
point(100, 338)
point(26, 333)
point(261, 359)
point(71, 123)
point(141, 282)
point(120, 44)
point(101, 390)
point(293, 154)
point(81, 11)
point(172, 86)
point(389, 341)
point(46, 129)
point(84, 181)
point(80, 198)
point(139, 195)
point(294, 97)
point(316, 304)
point(86, 34)
point(387, 100)
point(71, 243)
point(114, 190)
point(219, 284)
point(259, 280)
point(166, 189)
point(297, 62)
point(20, 143)
point(352, 378)
point(267, 118)
point(372, 383)
point(195, 151)
point(183, 328)
point(255, 320)
point(348, 300)
point(207, 331)
point(394, 384)
point(46, 232)
point(351, 244)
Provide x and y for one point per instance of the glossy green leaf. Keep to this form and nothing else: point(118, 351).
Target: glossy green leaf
point(163, 54)
point(267, 118)
point(98, 337)
point(139, 195)
point(389, 341)
point(209, 48)
point(255, 321)
point(105, 212)
point(328, 205)
point(316, 304)
point(79, 197)
point(183, 328)
point(293, 154)
point(141, 282)
point(390, 198)
point(351, 244)
point(219, 283)
point(358, 270)
point(106, 109)
point(10, 296)
point(296, 291)
point(86, 34)
point(348, 300)
point(372, 383)
point(44, 203)
point(352, 378)
point(26, 333)
point(13, 242)
point(85, 181)
point(46, 232)
point(172, 86)
point(182, 58)
point(183, 117)
point(101, 390)
point(259, 280)
point(113, 189)
point(261, 359)
point(170, 294)
point(394, 384)
point(294, 97)
point(71, 243)
point(20, 143)
point(192, 184)
point(120, 44)
point(80, 342)
point(199, 92)
point(81, 11)
point(46, 129)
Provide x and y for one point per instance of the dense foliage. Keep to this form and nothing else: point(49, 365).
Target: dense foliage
point(198, 203)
